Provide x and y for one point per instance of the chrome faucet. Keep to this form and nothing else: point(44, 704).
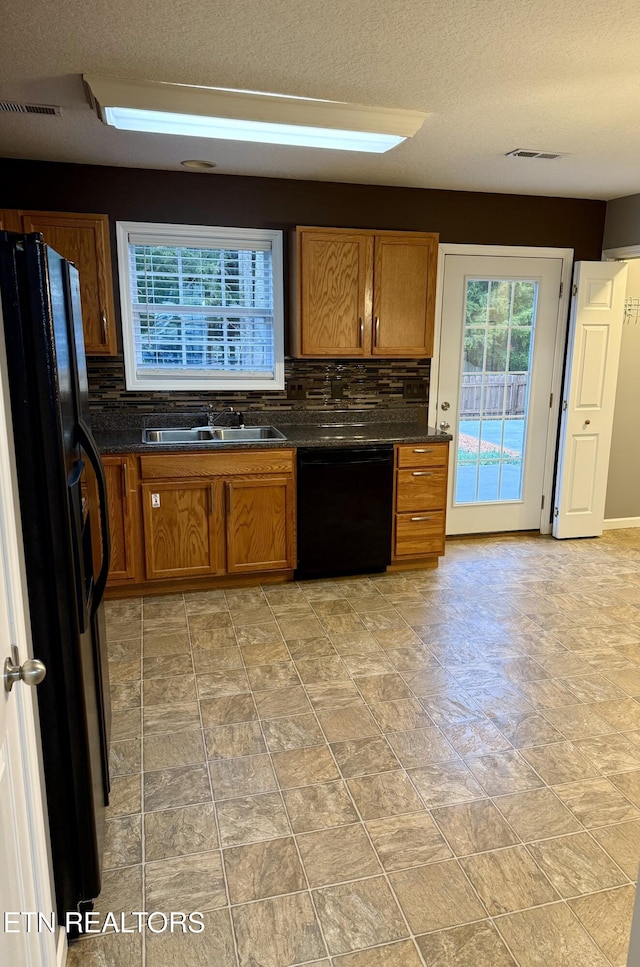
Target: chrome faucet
point(212, 420)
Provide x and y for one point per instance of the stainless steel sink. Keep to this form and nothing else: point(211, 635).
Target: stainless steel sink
point(211, 434)
point(232, 434)
point(196, 434)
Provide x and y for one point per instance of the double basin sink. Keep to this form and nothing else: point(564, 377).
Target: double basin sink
point(212, 434)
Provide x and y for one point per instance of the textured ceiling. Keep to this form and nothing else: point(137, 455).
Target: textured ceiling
point(494, 75)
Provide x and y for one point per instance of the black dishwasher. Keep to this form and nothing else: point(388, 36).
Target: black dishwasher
point(345, 509)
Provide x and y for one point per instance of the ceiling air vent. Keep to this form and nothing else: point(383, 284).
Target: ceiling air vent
point(528, 153)
point(14, 107)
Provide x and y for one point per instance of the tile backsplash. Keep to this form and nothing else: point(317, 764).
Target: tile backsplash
point(364, 384)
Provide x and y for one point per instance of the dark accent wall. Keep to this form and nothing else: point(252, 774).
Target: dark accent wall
point(211, 199)
point(135, 194)
point(622, 226)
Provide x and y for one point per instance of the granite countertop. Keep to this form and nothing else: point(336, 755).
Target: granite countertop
point(302, 428)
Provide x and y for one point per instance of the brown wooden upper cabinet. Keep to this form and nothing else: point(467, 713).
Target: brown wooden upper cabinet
point(84, 240)
point(364, 293)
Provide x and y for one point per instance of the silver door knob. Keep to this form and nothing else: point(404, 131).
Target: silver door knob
point(444, 425)
point(445, 405)
point(31, 672)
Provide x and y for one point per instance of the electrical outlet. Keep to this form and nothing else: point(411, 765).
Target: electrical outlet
point(337, 389)
point(296, 390)
point(415, 389)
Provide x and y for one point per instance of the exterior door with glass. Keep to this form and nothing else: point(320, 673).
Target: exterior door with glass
point(497, 366)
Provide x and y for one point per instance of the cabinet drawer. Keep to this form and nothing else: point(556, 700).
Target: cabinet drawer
point(423, 455)
point(421, 489)
point(418, 534)
point(221, 464)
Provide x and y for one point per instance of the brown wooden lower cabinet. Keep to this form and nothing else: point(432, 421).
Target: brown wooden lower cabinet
point(180, 532)
point(121, 475)
point(201, 516)
point(260, 513)
point(420, 504)
point(185, 518)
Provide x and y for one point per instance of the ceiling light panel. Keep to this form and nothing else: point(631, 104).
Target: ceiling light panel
point(203, 112)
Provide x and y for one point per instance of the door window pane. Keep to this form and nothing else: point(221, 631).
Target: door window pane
point(494, 391)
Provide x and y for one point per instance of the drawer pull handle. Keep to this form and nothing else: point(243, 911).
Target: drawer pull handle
point(422, 450)
point(422, 473)
point(421, 518)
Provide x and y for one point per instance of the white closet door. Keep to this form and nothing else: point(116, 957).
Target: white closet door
point(595, 333)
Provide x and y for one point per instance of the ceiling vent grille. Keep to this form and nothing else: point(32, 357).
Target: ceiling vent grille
point(14, 107)
point(528, 153)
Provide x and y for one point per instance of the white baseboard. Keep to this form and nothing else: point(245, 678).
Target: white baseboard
point(616, 523)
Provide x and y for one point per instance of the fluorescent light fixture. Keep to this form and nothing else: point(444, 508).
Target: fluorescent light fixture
point(209, 112)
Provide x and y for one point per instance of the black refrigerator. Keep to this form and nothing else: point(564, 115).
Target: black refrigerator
point(42, 323)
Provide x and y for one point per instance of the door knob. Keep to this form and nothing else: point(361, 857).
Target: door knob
point(444, 425)
point(445, 405)
point(31, 672)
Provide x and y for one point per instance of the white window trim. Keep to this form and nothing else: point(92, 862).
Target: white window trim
point(204, 233)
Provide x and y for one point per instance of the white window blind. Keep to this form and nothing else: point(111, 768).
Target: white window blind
point(202, 307)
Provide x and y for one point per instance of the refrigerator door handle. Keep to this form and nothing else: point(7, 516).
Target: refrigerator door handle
point(79, 562)
point(88, 444)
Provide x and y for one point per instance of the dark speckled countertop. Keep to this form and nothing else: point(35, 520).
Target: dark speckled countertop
point(122, 433)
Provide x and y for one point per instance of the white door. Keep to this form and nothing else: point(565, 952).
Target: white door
point(501, 332)
point(24, 868)
point(595, 334)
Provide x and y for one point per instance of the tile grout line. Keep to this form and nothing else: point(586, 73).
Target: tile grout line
point(309, 892)
point(213, 801)
point(363, 824)
point(143, 851)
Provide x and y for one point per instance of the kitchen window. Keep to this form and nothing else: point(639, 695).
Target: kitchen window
point(202, 307)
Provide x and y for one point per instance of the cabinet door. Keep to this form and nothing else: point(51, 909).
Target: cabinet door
point(10, 221)
point(180, 538)
point(260, 524)
point(404, 279)
point(84, 240)
point(334, 312)
point(121, 480)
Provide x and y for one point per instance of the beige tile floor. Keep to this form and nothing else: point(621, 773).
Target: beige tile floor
point(427, 768)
